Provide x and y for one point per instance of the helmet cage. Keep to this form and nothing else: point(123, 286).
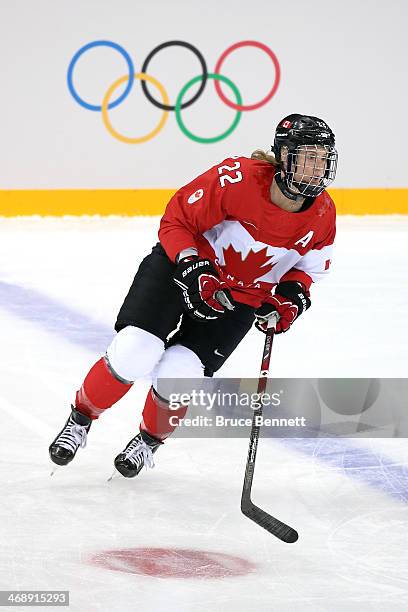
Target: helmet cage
point(310, 168)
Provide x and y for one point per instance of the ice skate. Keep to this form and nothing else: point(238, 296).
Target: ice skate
point(72, 436)
point(138, 453)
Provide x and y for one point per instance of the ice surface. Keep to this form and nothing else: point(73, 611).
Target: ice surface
point(174, 539)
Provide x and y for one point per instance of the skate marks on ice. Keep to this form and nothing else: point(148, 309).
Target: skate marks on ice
point(357, 460)
point(26, 420)
point(39, 428)
point(54, 317)
point(368, 542)
point(172, 563)
point(372, 549)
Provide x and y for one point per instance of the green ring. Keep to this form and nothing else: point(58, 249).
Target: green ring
point(186, 132)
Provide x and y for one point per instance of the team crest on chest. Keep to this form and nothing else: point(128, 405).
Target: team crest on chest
point(245, 260)
point(247, 268)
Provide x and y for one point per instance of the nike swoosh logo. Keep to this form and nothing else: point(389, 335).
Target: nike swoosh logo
point(248, 223)
point(216, 352)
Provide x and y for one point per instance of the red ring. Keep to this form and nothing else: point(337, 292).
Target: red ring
point(270, 53)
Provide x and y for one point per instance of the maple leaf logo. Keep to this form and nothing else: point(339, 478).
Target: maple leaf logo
point(247, 270)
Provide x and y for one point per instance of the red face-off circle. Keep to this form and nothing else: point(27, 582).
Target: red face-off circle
point(270, 53)
point(173, 563)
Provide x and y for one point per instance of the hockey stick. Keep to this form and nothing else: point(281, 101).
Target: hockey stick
point(259, 516)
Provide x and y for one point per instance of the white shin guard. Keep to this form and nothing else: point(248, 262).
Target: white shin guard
point(134, 353)
point(177, 365)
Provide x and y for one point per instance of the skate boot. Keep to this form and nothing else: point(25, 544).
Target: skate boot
point(138, 452)
point(71, 437)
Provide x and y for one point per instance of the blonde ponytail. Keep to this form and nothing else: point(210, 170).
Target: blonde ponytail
point(265, 156)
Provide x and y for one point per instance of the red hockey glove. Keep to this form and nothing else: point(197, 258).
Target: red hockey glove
point(289, 300)
point(200, 284)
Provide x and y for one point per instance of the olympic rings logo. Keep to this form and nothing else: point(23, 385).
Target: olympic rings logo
point(164, 104)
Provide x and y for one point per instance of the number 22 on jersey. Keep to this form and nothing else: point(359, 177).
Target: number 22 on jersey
point(230, 178)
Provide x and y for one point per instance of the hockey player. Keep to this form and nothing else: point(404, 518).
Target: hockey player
point(243, 240)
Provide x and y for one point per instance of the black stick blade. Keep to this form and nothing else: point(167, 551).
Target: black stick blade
point(274, 526)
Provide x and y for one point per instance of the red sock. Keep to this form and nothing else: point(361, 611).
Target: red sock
point(100, 390)
point(156, 416)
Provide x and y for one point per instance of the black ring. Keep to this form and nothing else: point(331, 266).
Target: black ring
point(201, 59)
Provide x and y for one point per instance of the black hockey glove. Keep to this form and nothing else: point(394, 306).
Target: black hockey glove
point(289, 300)
point(204, 296)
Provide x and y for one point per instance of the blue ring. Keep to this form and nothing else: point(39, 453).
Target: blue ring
point(100, 43)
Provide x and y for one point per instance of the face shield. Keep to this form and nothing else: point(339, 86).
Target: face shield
point(309, 168)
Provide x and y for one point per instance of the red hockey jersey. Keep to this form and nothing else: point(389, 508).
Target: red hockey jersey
point(228, 215)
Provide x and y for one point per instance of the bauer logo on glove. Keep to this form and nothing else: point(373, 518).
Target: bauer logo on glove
point(205, 297)
point(289, 301)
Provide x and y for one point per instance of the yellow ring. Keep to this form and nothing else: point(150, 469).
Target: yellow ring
point(141, 76)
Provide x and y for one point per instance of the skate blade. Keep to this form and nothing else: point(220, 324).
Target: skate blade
point(54, 468)
point(114, 475)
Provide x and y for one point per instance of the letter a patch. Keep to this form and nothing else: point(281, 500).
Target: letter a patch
point(306, 239)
